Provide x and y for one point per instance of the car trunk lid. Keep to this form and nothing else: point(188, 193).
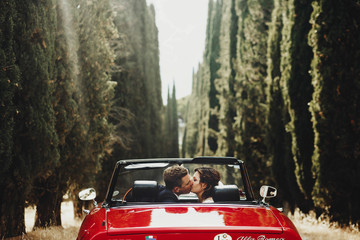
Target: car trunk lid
point(197, 218)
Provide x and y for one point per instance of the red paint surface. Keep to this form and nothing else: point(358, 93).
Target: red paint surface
point(195, 221)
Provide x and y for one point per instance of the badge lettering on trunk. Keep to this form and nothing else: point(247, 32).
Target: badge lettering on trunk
point(245, 238)
point(222, 236)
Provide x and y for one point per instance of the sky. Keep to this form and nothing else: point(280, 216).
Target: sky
point(182, 29)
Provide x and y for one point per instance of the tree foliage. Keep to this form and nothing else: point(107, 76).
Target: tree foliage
point(80, 89)
point(84, 93)
point(296, 84)
point(138, 78)
point(137, 109)
point(9, 85)
point(171, 131)
point(250, 87)
point(278, 139)
point(285, 80)
point(334, 38)
point(61, 116)
point(35, 142)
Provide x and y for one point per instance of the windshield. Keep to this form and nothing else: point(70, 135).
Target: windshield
point(230, 174)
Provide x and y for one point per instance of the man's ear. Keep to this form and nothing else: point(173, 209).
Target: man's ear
point(176, 190)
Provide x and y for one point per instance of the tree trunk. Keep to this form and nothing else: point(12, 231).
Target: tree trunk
point(12, 205)
point(48, 208)
point(78, 207)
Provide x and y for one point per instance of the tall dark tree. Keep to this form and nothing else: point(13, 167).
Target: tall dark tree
point(202, 123)
point(212, 53)
point(50, 188)
point(9, 80)
point(335, 38)
point(171, 126)
point(250, 87)
point(137, 108)
point(225, 76)
point(138, 78)
point(196, 110)
point(175, 124)
point(95, 91)
point(278, 139)
point(231, 112)
point(270, 100)
point(297, 93)
point(82, 103)
point(9, 85)
point(35, 144)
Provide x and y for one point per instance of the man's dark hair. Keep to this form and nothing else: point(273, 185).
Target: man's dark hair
point(173, 176)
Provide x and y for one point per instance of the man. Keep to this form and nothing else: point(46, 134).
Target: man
point(177, 181)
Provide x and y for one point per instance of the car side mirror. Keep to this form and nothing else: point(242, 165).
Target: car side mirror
point(267, 192)
point(87, 194)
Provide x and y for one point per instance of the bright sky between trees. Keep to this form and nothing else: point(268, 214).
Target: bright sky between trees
point(182, 29)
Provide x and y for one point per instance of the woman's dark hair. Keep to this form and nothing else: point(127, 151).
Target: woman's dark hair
point(211, 178)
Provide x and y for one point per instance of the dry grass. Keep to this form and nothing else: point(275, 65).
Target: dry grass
point(69, 229)
point(53, 233)
point(309, 227)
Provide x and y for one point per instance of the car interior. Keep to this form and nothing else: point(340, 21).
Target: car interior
point(140, 183)
point(147, 191)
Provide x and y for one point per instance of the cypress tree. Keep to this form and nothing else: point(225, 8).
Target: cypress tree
point(202, 120)
point(136, 112)
point(335, 38)
point(9, 85)
point(231, 112)
point(95, 90)
point(9, 82)
point(223, 82)
point(191, 145)
point(278, 141)
point(297, 92)
point(174, 125)
point(153, 80)
point(167, 125)
point(138, 78)
point(79, 130)
point(50, 188)
point(130, 85)
point(171, 130)
point(35, 141)
point(250, 87)
point(212, 57)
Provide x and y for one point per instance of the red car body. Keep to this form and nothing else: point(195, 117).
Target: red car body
point(234, 220)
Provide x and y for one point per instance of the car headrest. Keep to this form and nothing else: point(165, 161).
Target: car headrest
point(226, 193)
point(145, 191)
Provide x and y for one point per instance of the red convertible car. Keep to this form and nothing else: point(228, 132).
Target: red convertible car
point(132, 210)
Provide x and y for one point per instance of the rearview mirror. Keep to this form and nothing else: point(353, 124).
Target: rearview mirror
point(87, 194)
point(267, 192)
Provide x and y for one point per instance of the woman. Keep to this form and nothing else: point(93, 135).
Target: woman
point(204, 180)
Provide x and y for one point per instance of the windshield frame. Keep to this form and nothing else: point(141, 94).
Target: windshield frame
point(122, 164)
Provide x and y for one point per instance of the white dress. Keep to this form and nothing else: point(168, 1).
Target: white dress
point(208, 200)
